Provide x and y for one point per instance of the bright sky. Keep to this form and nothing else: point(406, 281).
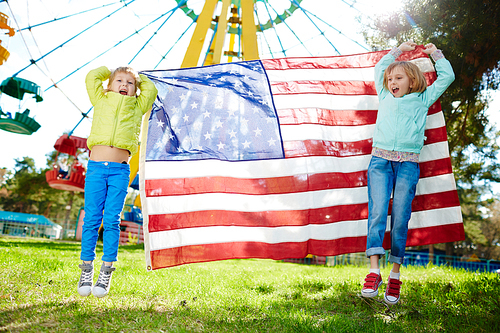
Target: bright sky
point(84, 39)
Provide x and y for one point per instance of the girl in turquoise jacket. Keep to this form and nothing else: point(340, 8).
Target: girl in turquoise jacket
point(113, 138)
point(404, 100)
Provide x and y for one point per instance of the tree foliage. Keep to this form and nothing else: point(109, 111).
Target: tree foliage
point(490, 248)
point(27, 191)
point(468, 32)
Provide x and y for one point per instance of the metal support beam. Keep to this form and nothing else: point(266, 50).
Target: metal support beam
point(234, 20)
point(202, 25)
point(220, 34)
point(249, 31)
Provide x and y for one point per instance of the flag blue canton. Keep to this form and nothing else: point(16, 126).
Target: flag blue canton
point(223, 112)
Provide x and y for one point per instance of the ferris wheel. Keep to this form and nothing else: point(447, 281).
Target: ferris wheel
point(56, 42)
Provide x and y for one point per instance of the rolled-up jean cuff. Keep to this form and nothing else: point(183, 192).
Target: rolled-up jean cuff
point(394, 259)
point(375, 251)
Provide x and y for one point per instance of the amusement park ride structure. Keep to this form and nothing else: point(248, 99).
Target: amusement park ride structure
point(225, 30)
point(16, 87)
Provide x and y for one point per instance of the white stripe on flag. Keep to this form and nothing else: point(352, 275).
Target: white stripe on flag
point(228, 234)
point(326, 101)
point(279, 202)
point(342, 133)
point(336, 74)
point(327, 133)
point(274, 168)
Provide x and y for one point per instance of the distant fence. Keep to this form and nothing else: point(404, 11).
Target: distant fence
point(130, 232)
point(411, 259)
point(472, 263)
point(20, 229)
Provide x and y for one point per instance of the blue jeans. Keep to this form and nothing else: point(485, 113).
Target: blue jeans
point(386, 177)
point(106, 185)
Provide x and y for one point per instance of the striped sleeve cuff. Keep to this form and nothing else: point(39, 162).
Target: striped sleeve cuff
point(436, 55)
point(396, 52)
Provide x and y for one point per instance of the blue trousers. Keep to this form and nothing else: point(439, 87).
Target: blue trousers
point(106, 185)
point(386, 177)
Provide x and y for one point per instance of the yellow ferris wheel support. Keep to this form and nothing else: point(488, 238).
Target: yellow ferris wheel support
point(211, 12)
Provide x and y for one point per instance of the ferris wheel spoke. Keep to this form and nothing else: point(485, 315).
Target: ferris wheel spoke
point(171, 48)
point(264, 35)
point(352, 5)
point(81, 32)
point(29, 27)
point(281, 17)
point(274, 29)
point(322, 33)
point(109, 49)
point(293, 32)
point(331, 26)
point(172, 11)
point(84, 115)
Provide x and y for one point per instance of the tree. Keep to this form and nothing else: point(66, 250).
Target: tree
point(4, 175)
point(468, 32)
point(28, 192)
point(491, 231)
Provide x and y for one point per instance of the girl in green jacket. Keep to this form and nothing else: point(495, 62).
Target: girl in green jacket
point(113, 138)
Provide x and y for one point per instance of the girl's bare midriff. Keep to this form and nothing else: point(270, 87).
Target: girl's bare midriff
point(109, 154)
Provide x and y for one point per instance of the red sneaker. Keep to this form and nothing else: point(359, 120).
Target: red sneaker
point(392, 292)
point(372, 282)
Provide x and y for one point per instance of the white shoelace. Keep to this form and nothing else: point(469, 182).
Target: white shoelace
point(86, 276)
point(104, 277)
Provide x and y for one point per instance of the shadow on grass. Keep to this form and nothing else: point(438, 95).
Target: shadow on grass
point(53, 245)
point(465, 306)
point(185, 316)
point(303, 307)
point(49, 245)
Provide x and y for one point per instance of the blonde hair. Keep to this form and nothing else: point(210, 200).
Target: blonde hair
point(127, 70)
point(417, 78)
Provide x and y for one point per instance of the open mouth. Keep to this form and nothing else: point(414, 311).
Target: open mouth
point(123, 92)
point(395, 90)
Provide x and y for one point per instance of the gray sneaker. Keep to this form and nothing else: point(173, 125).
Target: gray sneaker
point(101, 287)
point(85, 283)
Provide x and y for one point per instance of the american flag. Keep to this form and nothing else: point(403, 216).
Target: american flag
point(268, 159)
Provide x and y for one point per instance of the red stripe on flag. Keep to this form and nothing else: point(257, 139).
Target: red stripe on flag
point(326, 148)
point(162, 222)
point(348, 61)
point(332, 87)
point(335, 117)
point(433, 235)
point(276, 185)
point(325, 215)
point(345, 149)
point(242, 250)
point(435, 135)
point(324, 87)
point(435, 108)
point(435, 168)
point(327, 117)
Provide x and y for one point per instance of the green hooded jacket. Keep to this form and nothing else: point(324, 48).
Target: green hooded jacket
point(117, 118)
point(401, 121)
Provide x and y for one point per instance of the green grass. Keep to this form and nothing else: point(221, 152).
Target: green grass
point(38, 294)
